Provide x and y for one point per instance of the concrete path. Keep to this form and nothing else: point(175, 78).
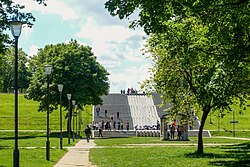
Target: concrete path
point(77, 155)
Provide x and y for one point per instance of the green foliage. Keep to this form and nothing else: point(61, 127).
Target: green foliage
point(7, 71)
point(201, 56)
point(75, 67)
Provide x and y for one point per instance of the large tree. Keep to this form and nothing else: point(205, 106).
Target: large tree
point(74, 66)
point(7, 71)
point(200, 50)
point(187, 76)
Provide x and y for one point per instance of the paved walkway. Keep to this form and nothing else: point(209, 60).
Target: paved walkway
point(77, 155)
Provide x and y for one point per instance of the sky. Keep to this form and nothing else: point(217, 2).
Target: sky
point(117, 47)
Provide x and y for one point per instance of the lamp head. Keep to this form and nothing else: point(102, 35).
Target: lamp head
point(73, 102)
point(48, 69)
point(16, 28)
point(69, 96)
point(60, 87)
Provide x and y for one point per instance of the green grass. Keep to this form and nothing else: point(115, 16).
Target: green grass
point(32, 144)
point(242, 115)
point(31, 148)
point(116, 152)
point(28, 116)
point(153, 140)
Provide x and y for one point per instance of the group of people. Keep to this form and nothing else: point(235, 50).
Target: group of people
point(132, 91)
point(179, 128)
point(109, 125)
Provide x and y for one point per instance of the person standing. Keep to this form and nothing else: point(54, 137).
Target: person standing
point(100, 132)
point(114, 125)
point(172, 131)
point(118, 125)
point(127, 125)
point(121, 125)
point(87, 133)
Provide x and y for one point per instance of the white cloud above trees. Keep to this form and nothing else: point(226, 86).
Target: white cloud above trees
point(117, 47)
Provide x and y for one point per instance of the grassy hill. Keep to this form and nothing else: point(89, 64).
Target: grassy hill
point(219, 124)
point(30, 118)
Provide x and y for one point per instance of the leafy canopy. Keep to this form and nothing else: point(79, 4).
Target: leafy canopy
point(74, 66)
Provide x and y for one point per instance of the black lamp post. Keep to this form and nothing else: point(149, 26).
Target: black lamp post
point(73, 117)
point(48, 69)
point(76, 121)
point(69, 122)
point(16, 28)
point(60, 89)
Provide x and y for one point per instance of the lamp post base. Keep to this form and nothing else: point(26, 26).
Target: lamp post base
point(69, 140)
point(61, 143)
point(16, 158)
point(47, 150)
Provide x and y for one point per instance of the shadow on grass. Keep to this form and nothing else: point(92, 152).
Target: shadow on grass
point(233, 155)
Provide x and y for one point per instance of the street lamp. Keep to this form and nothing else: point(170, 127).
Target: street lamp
point(48, 69)
point(69, 123)
point(73, 116)
point(76, 121)
point(60, 89)
point(16, 28)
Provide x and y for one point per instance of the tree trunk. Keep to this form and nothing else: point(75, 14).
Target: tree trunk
point(206, 109)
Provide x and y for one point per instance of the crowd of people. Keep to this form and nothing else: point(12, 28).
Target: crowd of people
point(110, 125)
point(132, 91)
point(149, 127)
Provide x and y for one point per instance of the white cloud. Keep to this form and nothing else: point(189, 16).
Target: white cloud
point(26, 32)
point(117, 47)
point(53, 7)
point(113, 42)
point(33, 50)
point(92, 30)
point(130, 77)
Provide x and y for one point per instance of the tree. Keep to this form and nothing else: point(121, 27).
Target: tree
point(188, 76)
point(201, 55)
point(8, 11)
point(7, 71)
point(74, 66)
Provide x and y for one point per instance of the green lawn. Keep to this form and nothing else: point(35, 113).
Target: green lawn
point(119, 151)
point(222, 123)
point(32, 148)
point(32, 144)
point(28, 116)
point(116, 152)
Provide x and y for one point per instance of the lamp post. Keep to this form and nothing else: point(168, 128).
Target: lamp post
point(76, 122)
point(73, 116)
point(48, 69)
point(80, 121)
point(60, 89)
point(69, 122)
point(16, 28)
